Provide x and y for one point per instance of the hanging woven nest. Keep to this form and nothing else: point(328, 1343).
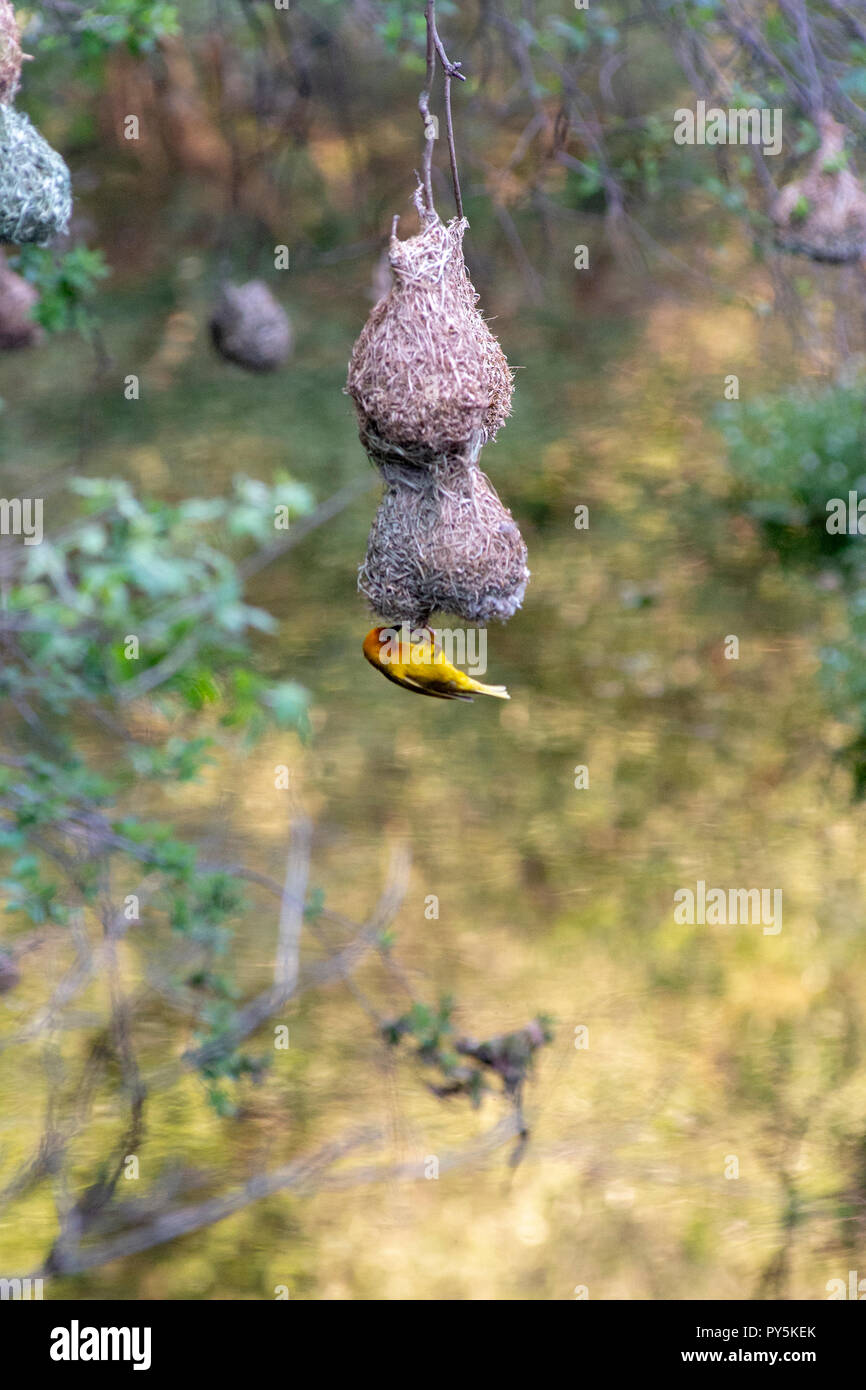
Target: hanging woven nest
point(35, 191)
point(431, 386)
point(443, 542)
point(427, 376)
point(10, 53)
point(823, 215)
point(18, 298)
point(250, 328)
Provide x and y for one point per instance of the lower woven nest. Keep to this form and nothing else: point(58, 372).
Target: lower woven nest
point(443, 541)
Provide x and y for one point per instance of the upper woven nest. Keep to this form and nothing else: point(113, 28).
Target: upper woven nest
point(823, 215)
point(427, 376)
point(10, 53)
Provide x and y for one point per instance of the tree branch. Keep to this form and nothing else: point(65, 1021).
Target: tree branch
point(451, 70)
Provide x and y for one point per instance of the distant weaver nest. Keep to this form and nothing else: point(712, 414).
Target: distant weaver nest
point(35, 191)
point(431, 386)
point(823, 215)
point(250, 328)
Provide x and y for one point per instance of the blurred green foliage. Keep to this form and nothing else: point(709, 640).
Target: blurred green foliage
point(797, 457)
point(138, 595)
point(791, 454)
point(66, 281)
point(96, 29)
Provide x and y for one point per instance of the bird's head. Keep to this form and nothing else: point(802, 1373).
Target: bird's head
point(386, 645)
point(373, 645)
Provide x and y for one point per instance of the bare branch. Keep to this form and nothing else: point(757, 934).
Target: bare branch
point(170, 1225)
point(264, 1005)
point(292, 906)
point(450, 70)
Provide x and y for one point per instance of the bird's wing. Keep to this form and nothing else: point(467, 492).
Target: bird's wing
point(409, 683)
point(447, 690)
point(440, 690)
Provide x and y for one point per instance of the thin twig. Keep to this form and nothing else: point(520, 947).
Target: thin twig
point(424, 108)
point(265, 1004)
point(797, 13)
point(451, 70)
point(292, 906)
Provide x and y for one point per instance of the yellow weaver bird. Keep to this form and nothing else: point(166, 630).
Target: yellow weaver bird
point(421, 666)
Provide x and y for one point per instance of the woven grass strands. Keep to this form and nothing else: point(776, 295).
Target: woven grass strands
point(431, 387)
point(35, 189)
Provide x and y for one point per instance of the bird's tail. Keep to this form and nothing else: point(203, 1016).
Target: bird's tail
point(499, 692)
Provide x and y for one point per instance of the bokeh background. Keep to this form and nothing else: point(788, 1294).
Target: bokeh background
point(260, 129)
